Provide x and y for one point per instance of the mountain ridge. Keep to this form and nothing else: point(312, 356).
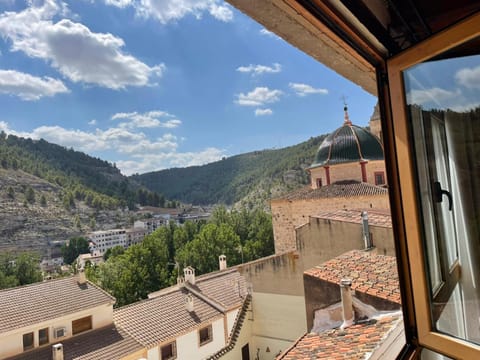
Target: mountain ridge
point(249, 179)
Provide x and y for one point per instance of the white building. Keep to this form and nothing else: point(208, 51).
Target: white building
point(150, 225)
point(69, 311)
point(192, 320)
point(101, 241)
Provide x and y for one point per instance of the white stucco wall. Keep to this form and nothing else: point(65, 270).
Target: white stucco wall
point(188, 346)
point(231, 316)
point(278, 320)
point(11, 343)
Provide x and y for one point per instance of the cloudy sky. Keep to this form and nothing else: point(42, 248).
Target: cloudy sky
point(153, 84)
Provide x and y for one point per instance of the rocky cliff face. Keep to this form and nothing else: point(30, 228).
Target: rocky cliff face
point(42, 225)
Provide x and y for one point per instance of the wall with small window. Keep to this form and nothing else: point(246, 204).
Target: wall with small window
point(188, 346)
point(53, 331)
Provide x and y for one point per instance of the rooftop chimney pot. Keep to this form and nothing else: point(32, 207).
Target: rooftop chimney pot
point(82, 279)
point(189, 274)
point(189, 303)
point(222, 260)
point(57, 352)
point(347, 302)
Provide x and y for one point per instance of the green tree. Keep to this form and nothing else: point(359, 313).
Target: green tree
point(27, 269)
point(112, 252)
point(74, 247)
point(213, 240)
point(11, 192)
point(30, 195)
point(19, 269)
point(43, 200)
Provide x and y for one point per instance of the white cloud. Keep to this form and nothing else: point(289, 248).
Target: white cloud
point(92, 122)
point(119, 3)
point(469, 77)
point(172, 10)
point(259, 97)
point(433, 95)
point(260, 69)
point(139, 152)
point(147, 120)
point(263, 112)
point(75, 51)
point(268, 33)
point(305, 89)
point(29, 87)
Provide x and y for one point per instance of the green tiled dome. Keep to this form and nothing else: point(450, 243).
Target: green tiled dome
point(349, 143)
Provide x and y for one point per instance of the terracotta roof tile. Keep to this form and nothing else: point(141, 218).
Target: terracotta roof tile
point(164, 316)
point(108, 343)
point(370, 273)
point(356, 342)
point(375, 217)
point(339, 189)
point(30, 304)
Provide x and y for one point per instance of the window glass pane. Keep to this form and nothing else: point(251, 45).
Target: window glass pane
point(443, 100)
point(43, 336)
point(27, 341)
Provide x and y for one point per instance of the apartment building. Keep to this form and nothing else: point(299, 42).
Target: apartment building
point(101, 241)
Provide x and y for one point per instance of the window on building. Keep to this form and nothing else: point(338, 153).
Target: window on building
point(169, 351)
point(205, 335)
point(379, 178)
point(81, 325)
point(43, 336)
point(28, 341)
point(319, 182)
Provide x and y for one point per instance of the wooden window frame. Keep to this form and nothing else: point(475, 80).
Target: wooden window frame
point(29, 347)
point(40, 343)
point(173, 345)
point(379, 173)
point(209, 330)
point(75, 331)
point(412, 232)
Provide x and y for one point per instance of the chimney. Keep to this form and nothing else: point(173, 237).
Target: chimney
point(57, 352)
point(222, 259)
point(347, 302)
point(189, 274)
point(189, 303)
point(365, 231)
point(81, 277)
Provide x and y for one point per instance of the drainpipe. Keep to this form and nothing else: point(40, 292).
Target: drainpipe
point(365, 231)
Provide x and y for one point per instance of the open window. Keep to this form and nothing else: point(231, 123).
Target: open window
point(435, 100)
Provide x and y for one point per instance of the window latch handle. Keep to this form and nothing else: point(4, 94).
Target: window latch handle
point(438, 193)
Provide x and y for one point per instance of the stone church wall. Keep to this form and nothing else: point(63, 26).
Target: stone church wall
point(288, 214)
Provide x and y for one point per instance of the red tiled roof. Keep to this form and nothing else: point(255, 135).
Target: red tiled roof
point(339, 189)
point(108, 343)
point(31, 304)
point(164, 316)
point(375, 275)
point(375, 217)
point(356, 342)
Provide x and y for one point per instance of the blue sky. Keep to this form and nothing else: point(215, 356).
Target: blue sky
point(157, 84)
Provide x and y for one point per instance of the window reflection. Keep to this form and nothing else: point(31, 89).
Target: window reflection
point(443, 99)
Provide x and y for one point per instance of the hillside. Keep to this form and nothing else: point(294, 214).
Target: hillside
point(83, 177)
point(49, 193)
point(250, 179)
